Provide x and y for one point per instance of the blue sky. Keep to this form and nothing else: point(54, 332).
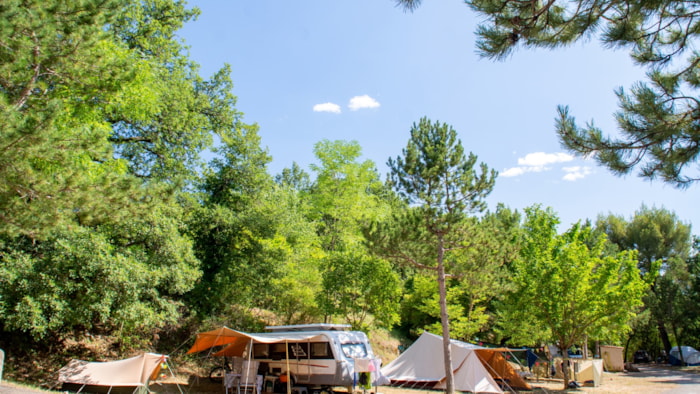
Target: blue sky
point(364, 70)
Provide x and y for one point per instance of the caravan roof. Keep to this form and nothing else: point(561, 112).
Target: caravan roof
point(310, 327)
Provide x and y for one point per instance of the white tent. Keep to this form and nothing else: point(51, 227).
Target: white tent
point(475, 368)
point(472, 376)
point(131, 375)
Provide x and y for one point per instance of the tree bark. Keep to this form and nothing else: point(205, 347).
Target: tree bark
point(449, 375)
point(565, 368)
point(663, 334)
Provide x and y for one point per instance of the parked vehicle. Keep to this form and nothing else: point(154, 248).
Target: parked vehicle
point(641, 356)
point(313, 354)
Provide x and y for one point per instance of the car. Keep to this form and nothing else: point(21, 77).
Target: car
point(641, 356)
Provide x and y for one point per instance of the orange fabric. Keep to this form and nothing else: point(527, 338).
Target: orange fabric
point(209, 339)
point(499, 368)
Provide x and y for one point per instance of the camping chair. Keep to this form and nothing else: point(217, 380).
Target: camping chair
point(232, 375)
point(248, 379)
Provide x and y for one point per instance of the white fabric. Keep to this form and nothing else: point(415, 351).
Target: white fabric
point(473, 377)
point(590, 370)
point(423, 362)
point(134, 371)
point(364, 365)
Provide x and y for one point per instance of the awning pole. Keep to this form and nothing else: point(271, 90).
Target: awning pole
point(289, 379)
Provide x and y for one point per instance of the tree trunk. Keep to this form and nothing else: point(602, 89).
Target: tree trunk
point(663, 334)
point(565, 368)
point(449, 375)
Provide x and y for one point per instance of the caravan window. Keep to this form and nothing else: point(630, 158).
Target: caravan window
point(261, 350)
point(321, 350)
point(298, 350)
point(312, 350)
point(354, 350)
point(278, 351)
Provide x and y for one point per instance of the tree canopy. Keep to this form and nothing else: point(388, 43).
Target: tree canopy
point(569, 286)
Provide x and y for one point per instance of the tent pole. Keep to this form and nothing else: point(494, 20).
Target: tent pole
point(174, 377)
point(286, 351)
point(250, 358)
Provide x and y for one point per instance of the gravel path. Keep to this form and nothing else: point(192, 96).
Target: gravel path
point(650, 379)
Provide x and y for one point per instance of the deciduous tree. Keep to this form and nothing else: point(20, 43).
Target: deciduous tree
point(569, 285)
point(663, 244)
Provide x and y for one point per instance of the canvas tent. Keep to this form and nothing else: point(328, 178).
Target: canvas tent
point(476, 369)
point(131, 375)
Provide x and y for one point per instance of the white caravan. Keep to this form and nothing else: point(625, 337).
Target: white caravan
point(313, 354)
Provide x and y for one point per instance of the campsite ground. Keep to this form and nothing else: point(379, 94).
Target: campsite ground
point(650, 379)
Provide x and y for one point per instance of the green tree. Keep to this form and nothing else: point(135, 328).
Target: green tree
point(658, 119)
point(441, 187)
point(296, 287)
point(345, 194)
point(475, 283)
point(232, 228)
point(569, 288)
point(180, 112)
point(58, 71)
point(663, 244)
point(294, 177)
point(125, 278)
point(359, 287)
point(693, 313)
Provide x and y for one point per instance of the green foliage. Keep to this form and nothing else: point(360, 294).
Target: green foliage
point(58, 71)
point(434, 173)
point(479, 276)
point(567, 288)
point(346, 194)
point(357, 286)
point(467, 317)
point(125, 277)
point(658, 119)
point(440, 188)
point(663, 244)
point(162, 137)
point(294, 290)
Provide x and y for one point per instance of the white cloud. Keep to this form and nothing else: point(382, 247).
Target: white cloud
point(516, 171)
point(538, 159)
point(576, 173)
point(327, 107)
point(536, 162)
point(360, 102)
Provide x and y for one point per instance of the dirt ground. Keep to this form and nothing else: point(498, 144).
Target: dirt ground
point(650, 379)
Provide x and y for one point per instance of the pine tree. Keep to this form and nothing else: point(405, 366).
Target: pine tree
point(441, 187)
point(659, 120)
